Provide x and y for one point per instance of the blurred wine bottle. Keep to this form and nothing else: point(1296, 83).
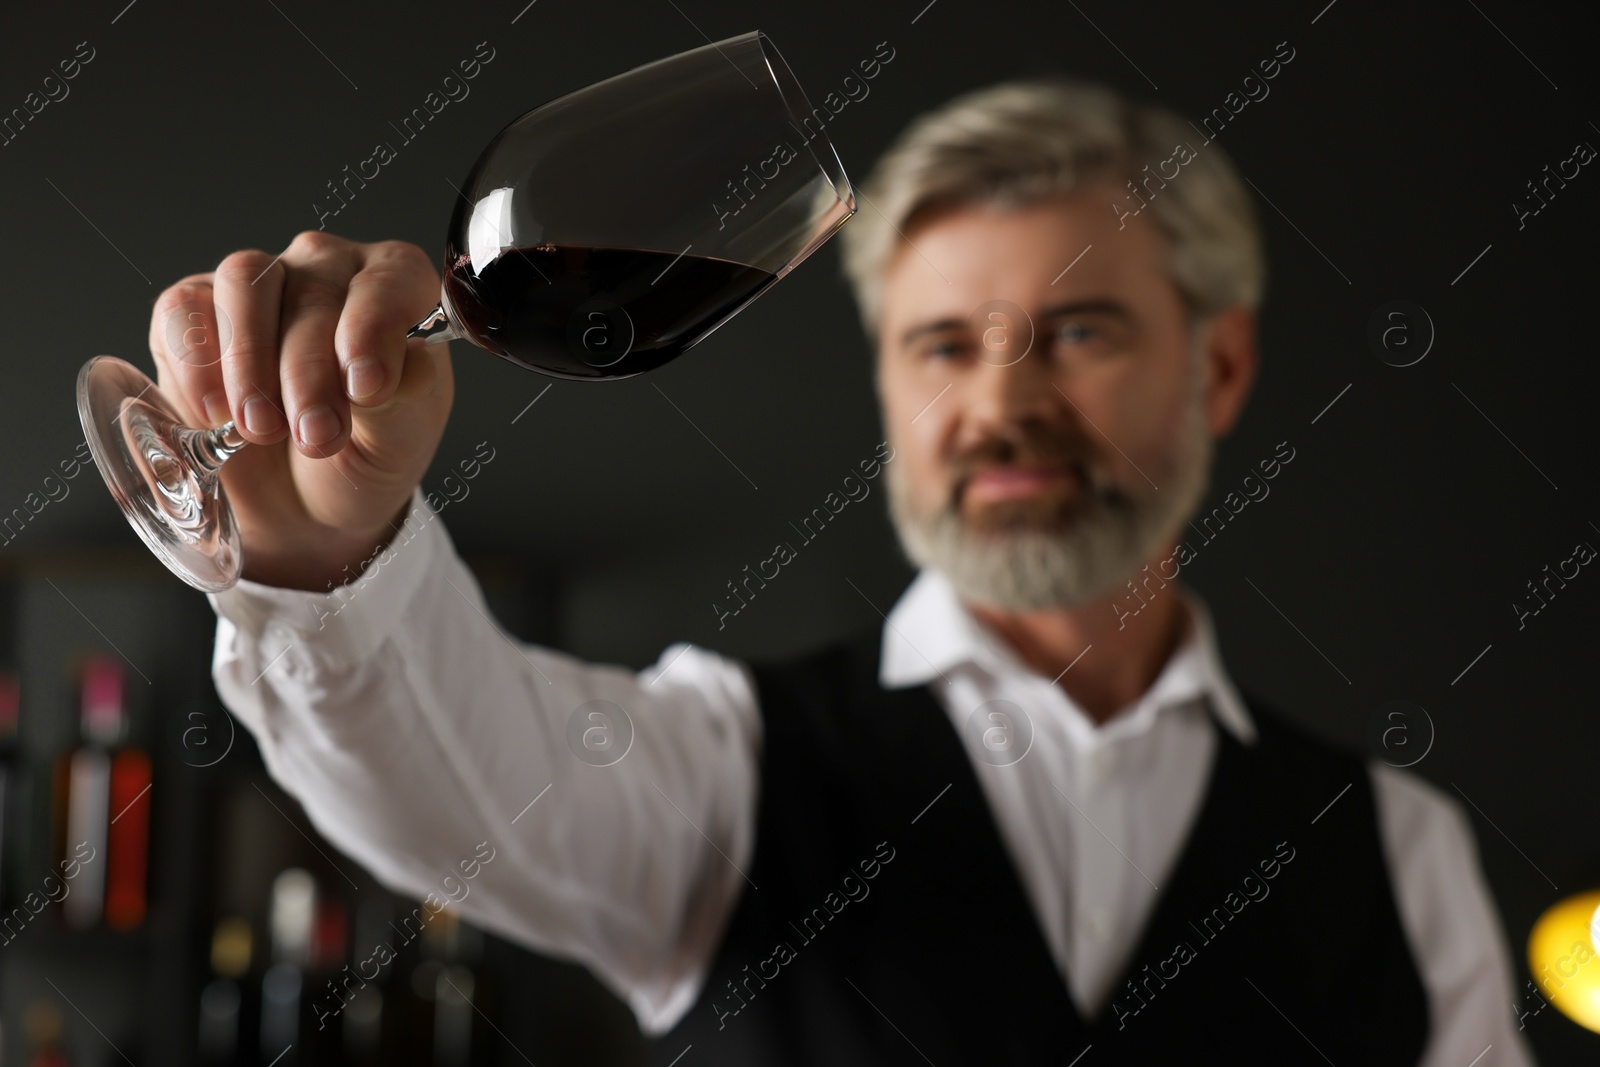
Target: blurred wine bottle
point(13, 784)
point(291, 922)
point(223, 1001)
point(449, 947)
point(83, 778)
point(128, 838)
point(42, 1025)
point(329, 945)
point(371, 1011)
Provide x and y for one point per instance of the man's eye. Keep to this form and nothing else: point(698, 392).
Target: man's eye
point(943, 350)
point(1075, 333)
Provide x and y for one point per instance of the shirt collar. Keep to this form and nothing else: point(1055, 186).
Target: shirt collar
point(929, 632)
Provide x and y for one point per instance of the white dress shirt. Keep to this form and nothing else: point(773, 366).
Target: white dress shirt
point(411, 729)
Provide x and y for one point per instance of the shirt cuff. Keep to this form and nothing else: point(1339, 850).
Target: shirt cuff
point(348, 623)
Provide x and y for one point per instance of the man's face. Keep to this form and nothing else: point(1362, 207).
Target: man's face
point(1040, 474)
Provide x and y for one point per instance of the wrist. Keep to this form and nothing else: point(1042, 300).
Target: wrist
point(320, 558)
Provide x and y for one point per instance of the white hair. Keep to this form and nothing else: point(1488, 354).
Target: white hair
point(1024, 141)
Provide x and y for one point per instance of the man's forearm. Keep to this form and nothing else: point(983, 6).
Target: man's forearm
point(412, 730)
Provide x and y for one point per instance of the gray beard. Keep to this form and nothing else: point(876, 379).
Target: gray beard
point(1110, 537)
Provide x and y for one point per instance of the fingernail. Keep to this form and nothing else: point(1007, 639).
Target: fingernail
point(216, 405)
point(260, 416)
point(363, 378)
point(318, 425)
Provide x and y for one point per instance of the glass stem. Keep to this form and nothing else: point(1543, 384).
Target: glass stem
point(434, 328)
point(208, 450)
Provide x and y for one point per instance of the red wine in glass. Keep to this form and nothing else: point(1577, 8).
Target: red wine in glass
point(578, 312)
point(596, 237)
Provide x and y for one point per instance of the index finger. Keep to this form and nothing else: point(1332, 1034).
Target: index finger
point(185, 339)
point(247, 288)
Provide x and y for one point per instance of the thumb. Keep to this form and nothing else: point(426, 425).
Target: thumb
point(398, 436)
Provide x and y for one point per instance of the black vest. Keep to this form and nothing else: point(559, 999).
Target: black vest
point(883, 921)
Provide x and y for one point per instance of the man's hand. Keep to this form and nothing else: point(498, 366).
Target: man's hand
point(308, 355)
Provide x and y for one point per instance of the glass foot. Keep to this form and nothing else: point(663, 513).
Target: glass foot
point(161, 473)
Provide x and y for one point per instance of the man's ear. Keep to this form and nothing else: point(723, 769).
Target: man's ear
point(1229, 350)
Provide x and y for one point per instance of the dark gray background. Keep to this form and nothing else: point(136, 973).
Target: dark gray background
point(1396, 141)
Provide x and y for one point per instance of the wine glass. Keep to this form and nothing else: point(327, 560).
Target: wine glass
point(597, 236)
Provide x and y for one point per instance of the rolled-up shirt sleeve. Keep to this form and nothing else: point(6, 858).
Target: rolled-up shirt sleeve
point(619, 805)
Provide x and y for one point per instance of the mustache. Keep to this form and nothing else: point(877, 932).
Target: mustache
point(1076, 454)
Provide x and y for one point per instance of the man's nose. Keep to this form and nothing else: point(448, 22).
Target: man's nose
point(1012, 382)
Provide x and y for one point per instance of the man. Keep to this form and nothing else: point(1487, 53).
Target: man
point(1029, 819)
